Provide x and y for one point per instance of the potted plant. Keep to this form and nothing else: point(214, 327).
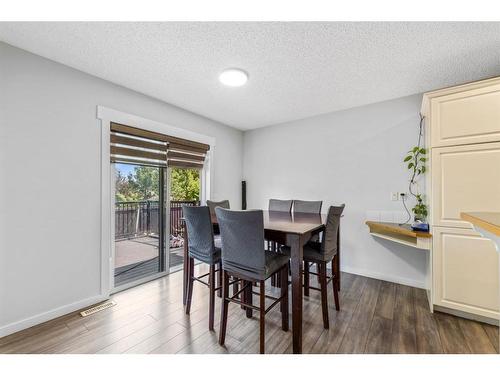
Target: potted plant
point(415, 161)
point(420, 209)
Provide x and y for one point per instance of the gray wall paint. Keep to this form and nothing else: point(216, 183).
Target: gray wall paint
point(50, 178)
point(352, 157)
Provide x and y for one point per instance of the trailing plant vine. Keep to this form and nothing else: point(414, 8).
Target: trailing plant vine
point(415, 161)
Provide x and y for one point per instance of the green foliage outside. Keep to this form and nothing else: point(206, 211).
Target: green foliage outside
point(185, 184)
point(143, 184)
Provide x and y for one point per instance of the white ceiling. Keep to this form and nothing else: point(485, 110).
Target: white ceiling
point(296, 70)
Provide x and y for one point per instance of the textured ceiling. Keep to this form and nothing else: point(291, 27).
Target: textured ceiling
point(296, 70)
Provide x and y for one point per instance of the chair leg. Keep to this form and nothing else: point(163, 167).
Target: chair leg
point(248, 297)
point(284, 301)
point(211, 303)
point(219, 280)
point(336, 266)
point(335, 284)
point(243, 295)
point(324, 293)
point(236, 287)
point(306, 279)
point(281, 277)
point(273, 277)
point(224, 308)
point(190, 276)
point(262, 310)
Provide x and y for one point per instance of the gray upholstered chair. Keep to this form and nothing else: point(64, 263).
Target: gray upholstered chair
point(307, 207)
point(244, 257)
point(280, 205)
point(320, 253)
point(212, 204)
point(201, 246)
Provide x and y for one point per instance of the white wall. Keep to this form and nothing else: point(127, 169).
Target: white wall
point(352, 157)
point(50, 181)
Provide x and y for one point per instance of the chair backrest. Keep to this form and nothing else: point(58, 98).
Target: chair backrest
point(200, 233)
point(307, 207)
point(242, 237)
point(212, 204)
point(280, 205)
point(329, 244)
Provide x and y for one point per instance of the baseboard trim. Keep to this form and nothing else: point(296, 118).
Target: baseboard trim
point(466, 315)
point(379, 276)
point(49, 315)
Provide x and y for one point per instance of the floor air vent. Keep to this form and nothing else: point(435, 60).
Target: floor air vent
point(100, 307)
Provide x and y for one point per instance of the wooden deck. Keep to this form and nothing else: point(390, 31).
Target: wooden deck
point(375, 317)
point(137, 258)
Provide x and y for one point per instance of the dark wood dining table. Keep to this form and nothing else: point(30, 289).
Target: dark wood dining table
point(293, 230)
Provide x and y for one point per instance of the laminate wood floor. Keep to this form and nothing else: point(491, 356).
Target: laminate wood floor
point(375, 317)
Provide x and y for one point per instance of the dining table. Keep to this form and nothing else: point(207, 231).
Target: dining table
point(292, 230)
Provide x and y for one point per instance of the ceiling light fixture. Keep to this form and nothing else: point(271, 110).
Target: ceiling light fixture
point(233, 77)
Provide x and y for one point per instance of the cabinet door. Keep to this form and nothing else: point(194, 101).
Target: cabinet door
point(467, 117)
point(465, 272)
point(464, 179)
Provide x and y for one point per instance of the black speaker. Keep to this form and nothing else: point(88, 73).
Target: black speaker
point(243, 195)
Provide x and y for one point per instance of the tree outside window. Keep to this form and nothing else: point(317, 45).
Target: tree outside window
point(185, 184)
point(141, 184)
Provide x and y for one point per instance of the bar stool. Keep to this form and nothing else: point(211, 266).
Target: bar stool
point(277, 205)
point(244, 257)
point(320, 253)
point(202, 247)
point(308, 207)
point(280, 205)
point(212, 205)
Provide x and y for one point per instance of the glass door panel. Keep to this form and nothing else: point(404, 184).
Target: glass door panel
point(139, 240)
point(185, 189)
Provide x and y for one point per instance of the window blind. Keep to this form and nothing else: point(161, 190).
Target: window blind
point(133, 145)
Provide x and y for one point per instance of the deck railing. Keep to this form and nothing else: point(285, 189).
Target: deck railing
point(176, 227)
point(134, 219)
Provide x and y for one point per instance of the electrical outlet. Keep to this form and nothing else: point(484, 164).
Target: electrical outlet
point(403, 196)
point(395, 196)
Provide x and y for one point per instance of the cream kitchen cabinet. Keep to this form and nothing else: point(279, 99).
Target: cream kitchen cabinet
point(465, 114)
point(465, 272)
point(462, 134)
point(464, 179)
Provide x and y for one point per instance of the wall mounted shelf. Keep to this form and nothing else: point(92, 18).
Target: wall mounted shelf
point(402, 234)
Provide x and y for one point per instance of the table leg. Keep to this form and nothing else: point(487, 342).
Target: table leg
point(185, 268)
point(337, 260)
point(295, 242)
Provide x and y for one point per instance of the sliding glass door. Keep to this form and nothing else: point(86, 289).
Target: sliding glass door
point(139, 224)
point(185, 189)
point(147, 208)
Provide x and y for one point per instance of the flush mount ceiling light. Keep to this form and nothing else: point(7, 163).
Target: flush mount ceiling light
point(233, 77)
